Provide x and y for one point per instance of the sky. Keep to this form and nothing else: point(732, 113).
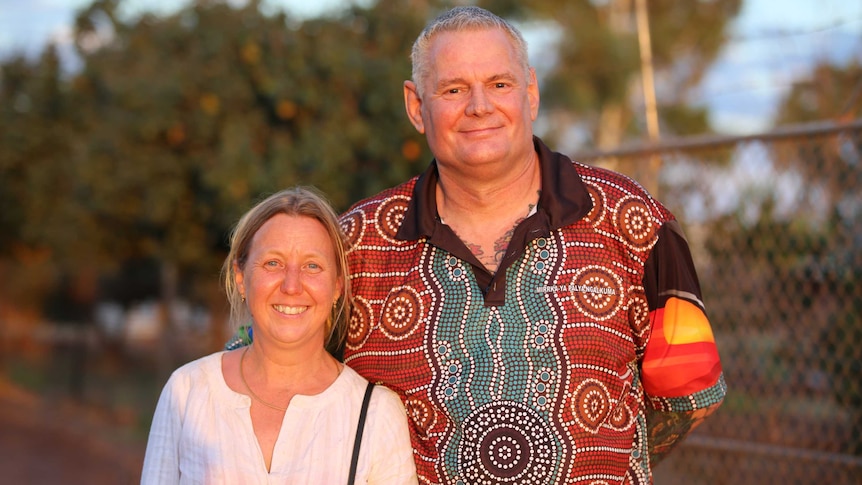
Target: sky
point(773, 44)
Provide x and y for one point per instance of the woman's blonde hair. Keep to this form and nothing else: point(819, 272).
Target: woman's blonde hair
point(296, 201)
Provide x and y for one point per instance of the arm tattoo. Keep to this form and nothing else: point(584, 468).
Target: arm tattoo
point(665, 430)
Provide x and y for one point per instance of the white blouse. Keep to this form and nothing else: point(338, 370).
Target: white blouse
point(202, 433)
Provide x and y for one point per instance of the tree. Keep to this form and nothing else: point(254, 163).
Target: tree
point(833, 173)
point(40, 225)
point(594, 82)
point(829, 92)
point(175, 125)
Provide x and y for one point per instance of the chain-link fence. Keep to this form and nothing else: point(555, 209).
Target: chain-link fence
point(775, 224)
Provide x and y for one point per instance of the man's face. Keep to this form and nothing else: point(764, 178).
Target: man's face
point(477, 104)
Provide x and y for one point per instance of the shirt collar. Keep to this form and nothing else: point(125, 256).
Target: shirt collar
point(564, 198)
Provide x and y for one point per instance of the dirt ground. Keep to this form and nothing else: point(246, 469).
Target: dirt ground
point(44, 442)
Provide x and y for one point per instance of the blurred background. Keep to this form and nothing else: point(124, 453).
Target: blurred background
point(134, 133)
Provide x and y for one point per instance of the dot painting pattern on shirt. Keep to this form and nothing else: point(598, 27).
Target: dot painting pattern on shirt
point(541, 389)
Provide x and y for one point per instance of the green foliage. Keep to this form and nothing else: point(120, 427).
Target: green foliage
point(598, 69)
point(176, 124)
point(829, 92)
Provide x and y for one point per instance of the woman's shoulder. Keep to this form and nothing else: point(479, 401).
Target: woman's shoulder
point(202, 364)
point(203, 378)
point(381, 396)
point(198, 370)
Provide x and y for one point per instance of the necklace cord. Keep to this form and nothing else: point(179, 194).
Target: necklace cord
point(255, 396)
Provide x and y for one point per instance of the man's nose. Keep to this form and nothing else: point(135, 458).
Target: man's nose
point(480, 103)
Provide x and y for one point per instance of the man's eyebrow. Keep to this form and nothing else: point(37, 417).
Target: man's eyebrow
point(448, 82)
point(506, 76)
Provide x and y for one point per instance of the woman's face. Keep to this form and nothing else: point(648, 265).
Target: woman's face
point(290, 281)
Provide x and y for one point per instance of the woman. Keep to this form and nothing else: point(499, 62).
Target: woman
point(283, 409)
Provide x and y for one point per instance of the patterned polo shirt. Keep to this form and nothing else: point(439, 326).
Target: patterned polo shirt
point(542, 372)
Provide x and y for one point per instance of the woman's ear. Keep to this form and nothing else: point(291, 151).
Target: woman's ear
point(239, 279)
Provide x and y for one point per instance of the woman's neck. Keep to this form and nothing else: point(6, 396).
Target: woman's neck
point(296, 370)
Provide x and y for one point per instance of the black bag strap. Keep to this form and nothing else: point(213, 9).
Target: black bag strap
point(358, 440)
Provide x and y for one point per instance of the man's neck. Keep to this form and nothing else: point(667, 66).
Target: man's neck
point(484, 213)
point(478, 197)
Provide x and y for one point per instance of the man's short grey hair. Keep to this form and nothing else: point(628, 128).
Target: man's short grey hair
point(461, 19)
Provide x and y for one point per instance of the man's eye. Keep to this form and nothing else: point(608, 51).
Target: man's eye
point(500, 85)
point(454, 91)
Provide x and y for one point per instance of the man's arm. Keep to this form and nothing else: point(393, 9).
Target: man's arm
point(680, 369)
point(667, 429)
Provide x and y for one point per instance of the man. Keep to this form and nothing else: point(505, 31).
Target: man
point(541, 319)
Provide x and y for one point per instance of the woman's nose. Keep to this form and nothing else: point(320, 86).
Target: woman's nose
point(291, 282)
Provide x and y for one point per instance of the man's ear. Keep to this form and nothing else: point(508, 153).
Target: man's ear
point(533, 93)
point(413, 105)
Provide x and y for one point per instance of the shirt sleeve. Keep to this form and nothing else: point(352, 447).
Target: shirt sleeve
point(391, 451)
point(161, 460)
point(680, 369)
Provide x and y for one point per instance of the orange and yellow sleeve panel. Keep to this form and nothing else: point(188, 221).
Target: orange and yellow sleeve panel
point(680, 357)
